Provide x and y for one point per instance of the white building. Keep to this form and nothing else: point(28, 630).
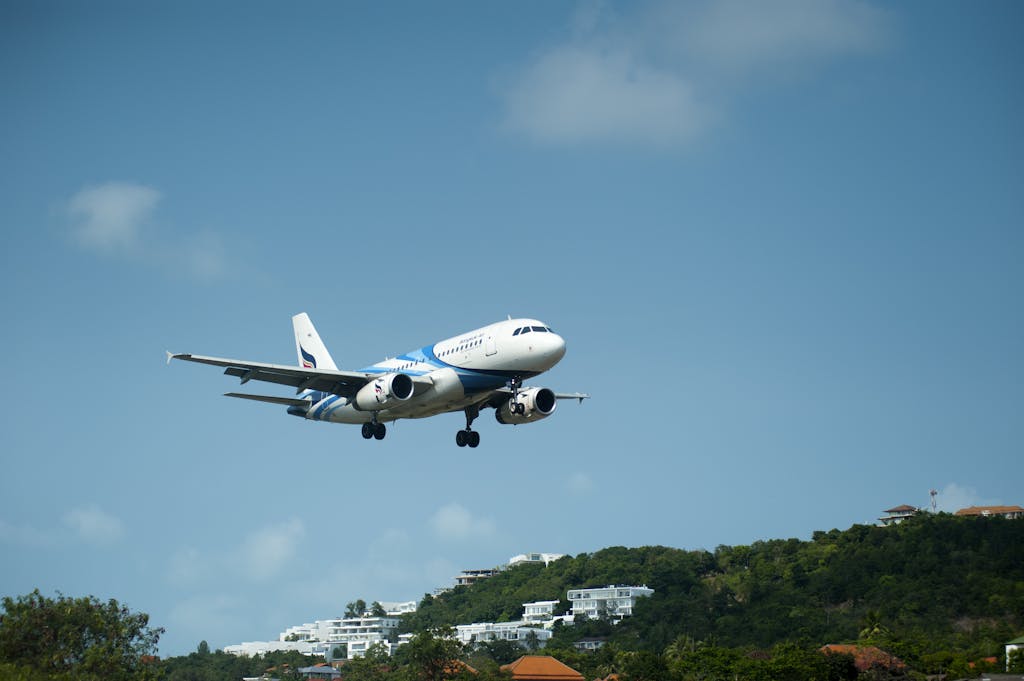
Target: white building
point(481, 632)
point(539, 612)
point(251, 648)
point(534, 558)
point(1012, 647)
point(616, 602)
point(359, 633)
point(394, 609)
point(315, 631)
point(897, 514)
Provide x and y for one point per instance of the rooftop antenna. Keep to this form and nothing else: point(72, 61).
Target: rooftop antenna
point(933, 494)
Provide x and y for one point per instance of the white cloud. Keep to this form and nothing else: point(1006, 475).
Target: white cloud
point(118, 219)
point(664, 72)
point(954, 497)
point(94, 526)
point(110, 217)
point(580, 94)
point(268, 550)
point(454, 523)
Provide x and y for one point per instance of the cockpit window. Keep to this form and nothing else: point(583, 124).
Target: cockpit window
point(526, 329)
point(516, 332)
point(540, 329)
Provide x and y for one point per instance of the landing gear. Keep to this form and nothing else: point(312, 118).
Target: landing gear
point(374, 430)
point(469, 437)
point(515, 406)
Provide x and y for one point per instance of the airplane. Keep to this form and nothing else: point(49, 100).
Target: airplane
point(482, 368)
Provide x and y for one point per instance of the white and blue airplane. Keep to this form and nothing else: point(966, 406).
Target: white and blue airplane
point(482, 368)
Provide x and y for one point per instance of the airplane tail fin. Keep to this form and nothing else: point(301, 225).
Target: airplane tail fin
point(311, 351)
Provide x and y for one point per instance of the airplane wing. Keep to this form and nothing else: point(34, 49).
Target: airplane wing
point(497, 397)
point(283, 401)
point(343, 383)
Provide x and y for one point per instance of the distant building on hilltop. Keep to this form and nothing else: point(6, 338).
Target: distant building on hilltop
point(545, 558)
point(616, 602)
point(468, 577)
point(895, 516)
point(1010, 512)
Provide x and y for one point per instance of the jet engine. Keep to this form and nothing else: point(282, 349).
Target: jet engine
point(384, 392)
point(534, 404)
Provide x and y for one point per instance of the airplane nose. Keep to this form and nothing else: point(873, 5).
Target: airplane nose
point(556, 349)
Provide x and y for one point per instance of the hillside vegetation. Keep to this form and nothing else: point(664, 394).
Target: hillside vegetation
point(934, 587)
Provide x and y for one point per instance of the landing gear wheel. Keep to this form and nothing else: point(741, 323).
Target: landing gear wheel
point(469, 436)
point(367, 431)
point(379, 431)
point(519, 408)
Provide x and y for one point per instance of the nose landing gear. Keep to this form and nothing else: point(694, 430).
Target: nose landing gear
point(515, 406)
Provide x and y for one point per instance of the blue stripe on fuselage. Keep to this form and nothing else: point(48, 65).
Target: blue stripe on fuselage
point(473, 380)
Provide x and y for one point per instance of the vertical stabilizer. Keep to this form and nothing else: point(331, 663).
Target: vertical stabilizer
point(311, 351)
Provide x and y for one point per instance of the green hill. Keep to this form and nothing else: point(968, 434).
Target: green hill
point(936, 584)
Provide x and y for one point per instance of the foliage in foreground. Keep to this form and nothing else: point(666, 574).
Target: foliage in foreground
point(74, 638)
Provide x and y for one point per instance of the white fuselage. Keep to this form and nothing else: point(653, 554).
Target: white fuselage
point(456, 371)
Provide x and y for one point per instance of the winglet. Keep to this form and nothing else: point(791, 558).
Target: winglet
point(170, 356)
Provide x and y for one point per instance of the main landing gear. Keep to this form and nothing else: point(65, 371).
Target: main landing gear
point(374, 429)
point(469, 436)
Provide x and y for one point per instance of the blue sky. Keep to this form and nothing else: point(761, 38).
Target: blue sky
point(783, 242)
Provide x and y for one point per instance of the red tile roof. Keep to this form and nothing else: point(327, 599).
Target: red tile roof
point(866, 657)
point(989, 510)
point(541, 668)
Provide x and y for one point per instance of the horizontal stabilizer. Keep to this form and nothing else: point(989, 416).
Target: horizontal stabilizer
point(283, 401)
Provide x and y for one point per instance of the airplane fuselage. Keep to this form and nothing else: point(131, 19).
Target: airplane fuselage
point(459, 369)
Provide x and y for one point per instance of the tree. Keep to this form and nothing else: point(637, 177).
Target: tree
point(377, 610)
point(433, 655)
point(355, 608)
point(204, 648)
point(80, 637)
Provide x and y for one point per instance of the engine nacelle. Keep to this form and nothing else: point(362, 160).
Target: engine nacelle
point(537, 404)
point(384, 392)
